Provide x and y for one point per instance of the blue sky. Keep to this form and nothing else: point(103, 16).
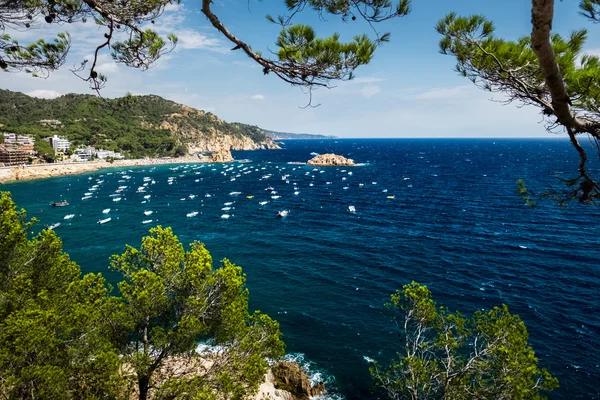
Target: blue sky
point(409, 89)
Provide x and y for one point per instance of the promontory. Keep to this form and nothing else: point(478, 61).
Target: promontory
point(331, 160)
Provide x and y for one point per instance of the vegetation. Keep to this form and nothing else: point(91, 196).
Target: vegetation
point(130, 125)
point(302, 57)
point(67, 336)
point(543, 70)
point(448, 356)
point(44, 150)
point(127, 18)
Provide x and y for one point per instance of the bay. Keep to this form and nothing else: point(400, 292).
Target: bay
point(455, 224)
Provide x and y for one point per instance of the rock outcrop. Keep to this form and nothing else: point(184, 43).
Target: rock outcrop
point(331, 160)
point(219, 156)
point(288, 376)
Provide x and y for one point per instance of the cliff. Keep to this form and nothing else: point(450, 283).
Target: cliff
point(137, 126)
point(218, 156)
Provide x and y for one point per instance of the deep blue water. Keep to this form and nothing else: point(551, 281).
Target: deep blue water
point(456, 224)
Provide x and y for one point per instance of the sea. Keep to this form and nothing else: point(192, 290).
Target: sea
point(443, 212)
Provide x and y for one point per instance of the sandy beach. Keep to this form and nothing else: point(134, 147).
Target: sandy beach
point(38, 171)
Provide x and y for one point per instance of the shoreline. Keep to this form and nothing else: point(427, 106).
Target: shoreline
point(40, 171)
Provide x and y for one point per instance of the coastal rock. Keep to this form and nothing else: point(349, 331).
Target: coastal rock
point(289, 376)
point(331, 160)
point(215, 136)
point(219, 156)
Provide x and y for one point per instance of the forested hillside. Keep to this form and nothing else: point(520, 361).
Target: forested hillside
point(134, 125)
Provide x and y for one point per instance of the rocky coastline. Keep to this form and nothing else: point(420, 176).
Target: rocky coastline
point(219, 156)
point(331, 160)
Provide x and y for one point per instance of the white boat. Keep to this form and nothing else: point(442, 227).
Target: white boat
point(275, 197)
point(262, 203)
point(192, 214)
point(283, 213)
point(352, 209)
point(225, 216)
point(56, 225)
point(88, 194)
point(105, 220)
point(106, 211)
point(148, 212)
point(225, 208)
point(69, 216)
point(235, 193)
point(228, 203)
point(147, 196)
point(146, 221)
point(117, 199)
point(191, 196)
point(296, 193)
point(86, 197)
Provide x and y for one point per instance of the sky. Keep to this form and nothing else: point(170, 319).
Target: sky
point(408, 90)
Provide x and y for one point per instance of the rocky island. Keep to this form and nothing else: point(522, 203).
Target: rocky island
point(219, 156)
point(331, 160)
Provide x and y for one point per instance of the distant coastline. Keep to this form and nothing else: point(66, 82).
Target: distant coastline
point(39, 171)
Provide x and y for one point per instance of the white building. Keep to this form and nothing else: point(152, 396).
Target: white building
point(84, 153)
point(18, 139)
point(58, 143)
point(103, 154)
point(50, 122)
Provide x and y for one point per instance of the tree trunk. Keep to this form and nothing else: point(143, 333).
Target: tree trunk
point(143, 384)
point(542, 14)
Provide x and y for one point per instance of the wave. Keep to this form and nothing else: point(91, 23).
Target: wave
point(315, 375)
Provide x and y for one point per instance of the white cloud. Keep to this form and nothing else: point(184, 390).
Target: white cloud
point(173, 7)
point(247, 64)
point(107, 68)
point(370, 90)
point(258, 97)
point(444, 93)
point(365, 79)
point(191, 39)
point(44, 94)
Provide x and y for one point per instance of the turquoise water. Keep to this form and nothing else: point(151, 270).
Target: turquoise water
point(455, 224)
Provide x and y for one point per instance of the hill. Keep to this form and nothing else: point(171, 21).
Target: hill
point(289, 136)
point(137, 126)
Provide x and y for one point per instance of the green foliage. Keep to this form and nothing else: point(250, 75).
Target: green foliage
point(52, 338)
point(63, 336)
point(142, 49)
point(34, 58)
point(40, 58)
point(299, 44)
point(130, 125)
point(449, 356)
point(44, 150)
point(173, 298)
point(567, 98)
